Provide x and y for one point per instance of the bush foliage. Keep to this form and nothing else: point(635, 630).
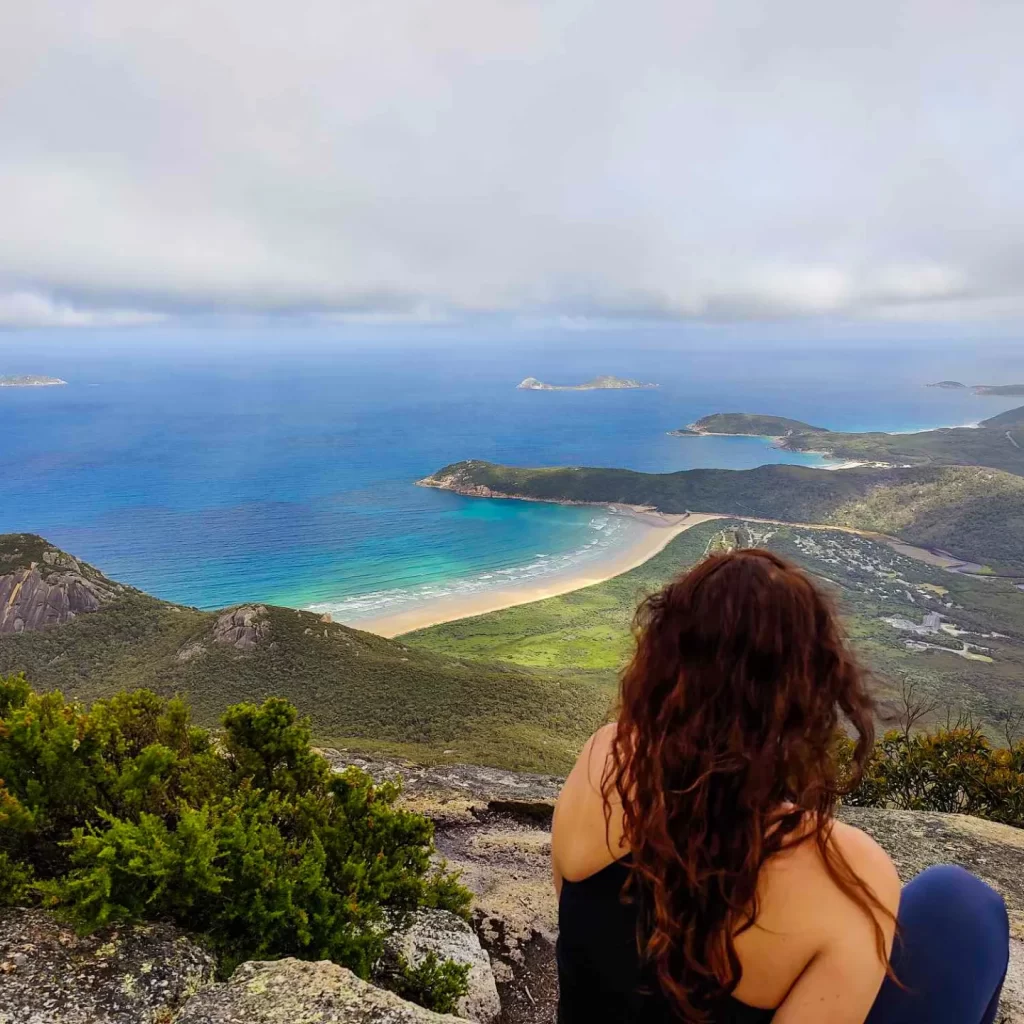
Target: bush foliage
point(956, 770)
point(126, 812)
point(436, 984)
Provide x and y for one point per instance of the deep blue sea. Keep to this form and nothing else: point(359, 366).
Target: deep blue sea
point(215, 465)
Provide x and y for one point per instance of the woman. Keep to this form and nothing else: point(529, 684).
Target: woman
point(701, 872)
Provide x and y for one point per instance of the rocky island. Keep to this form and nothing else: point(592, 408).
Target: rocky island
point(948, 384)
point(31, 380)
point(603, 383)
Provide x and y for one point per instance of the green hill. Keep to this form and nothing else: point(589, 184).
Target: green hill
point(750, 424)
point(977, 514)
point(992, 443)
point(1009, 420)
point(360, 690)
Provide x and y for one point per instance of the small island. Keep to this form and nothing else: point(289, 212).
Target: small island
point(604, 383)
point(949, 384)
point(745, 424)
point(30, 381)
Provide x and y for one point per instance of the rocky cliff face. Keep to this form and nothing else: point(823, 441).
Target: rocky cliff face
point(41, 586)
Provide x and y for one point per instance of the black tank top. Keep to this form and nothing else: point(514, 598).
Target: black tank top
point(601, 977)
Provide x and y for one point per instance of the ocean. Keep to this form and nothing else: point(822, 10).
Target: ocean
point(212, 466)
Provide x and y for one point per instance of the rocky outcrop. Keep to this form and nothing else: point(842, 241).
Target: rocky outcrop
point(139, 975)
point(28, 602)
point(35, 598)
point(292, 991)
point(242, 628)
point(449, 938)
point(42, 586)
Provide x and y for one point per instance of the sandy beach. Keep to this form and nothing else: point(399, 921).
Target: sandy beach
point(660, 530)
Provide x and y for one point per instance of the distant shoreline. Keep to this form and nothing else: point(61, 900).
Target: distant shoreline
point(660, 530)
point(830, 460)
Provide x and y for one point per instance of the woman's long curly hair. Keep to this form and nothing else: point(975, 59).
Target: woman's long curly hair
point(724, 754)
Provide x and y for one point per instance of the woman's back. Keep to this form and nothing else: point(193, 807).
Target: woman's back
point(802, 915)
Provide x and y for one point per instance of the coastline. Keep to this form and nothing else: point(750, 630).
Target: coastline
point(661, 530)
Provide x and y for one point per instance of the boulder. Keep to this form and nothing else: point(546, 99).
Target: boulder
point(449, 938)
point(133, 975)
point(242, 628)
point(292, 991)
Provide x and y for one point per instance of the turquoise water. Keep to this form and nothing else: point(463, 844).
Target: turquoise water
point(215, 467)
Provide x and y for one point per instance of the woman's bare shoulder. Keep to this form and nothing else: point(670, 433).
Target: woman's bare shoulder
point(797, 887)
point(592, 764)
point(869, 862)
point(583, 840)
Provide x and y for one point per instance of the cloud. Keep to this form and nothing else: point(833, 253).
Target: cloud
point(546, 158)
point(26, 309)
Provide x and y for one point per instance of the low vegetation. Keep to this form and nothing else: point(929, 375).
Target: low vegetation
point(977, 514)
point(128, 812)
point(972, 661)
point(751, 423)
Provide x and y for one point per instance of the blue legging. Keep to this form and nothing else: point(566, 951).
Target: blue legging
point(950, 954)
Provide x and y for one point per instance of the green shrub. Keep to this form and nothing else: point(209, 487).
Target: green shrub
point(956, 770)
point(436, 984)
point(127, 812)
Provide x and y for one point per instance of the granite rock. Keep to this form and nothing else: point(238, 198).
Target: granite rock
point(449, 938)
point(132, 975)
point(300, 991)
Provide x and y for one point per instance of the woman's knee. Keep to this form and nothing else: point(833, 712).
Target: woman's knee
point(951, 896)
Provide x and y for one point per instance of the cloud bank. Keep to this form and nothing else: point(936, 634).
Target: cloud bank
point(390, 162)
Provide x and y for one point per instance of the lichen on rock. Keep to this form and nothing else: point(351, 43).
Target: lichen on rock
point(132, 975)
point(292, 991)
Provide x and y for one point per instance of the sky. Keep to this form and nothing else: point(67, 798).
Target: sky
point(422, 161)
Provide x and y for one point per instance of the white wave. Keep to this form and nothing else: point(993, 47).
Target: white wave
point(612, 534)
